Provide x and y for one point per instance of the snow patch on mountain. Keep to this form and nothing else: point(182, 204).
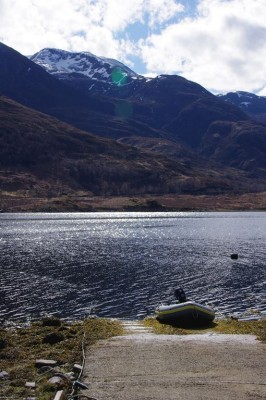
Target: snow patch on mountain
point(58, 62)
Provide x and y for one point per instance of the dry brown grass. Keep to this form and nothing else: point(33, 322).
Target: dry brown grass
point(48, 339)
point(228, 326)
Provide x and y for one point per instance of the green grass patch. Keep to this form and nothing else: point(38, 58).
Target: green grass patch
point(229, 326)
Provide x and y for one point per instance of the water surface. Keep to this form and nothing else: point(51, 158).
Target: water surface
point(126, 263)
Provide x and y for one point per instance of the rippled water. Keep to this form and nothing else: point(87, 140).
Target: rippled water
point(127, 263)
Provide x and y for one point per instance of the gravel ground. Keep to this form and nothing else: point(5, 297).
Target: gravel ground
point(142, 366)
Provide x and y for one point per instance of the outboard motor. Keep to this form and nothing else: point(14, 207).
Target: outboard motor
point(180, 295)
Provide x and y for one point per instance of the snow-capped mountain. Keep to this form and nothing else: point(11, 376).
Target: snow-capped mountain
point(88, 72)
point(63, 62)
point(252, 104)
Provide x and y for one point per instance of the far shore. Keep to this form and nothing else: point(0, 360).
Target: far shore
point(18, 202)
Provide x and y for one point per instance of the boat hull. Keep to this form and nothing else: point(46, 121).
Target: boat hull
point(184, 313)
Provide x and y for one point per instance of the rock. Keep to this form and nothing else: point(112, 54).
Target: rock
point(56, 380)
point(45, 363)
point(4, 375)
point(59, 395)
point(31, 385)
point(77, 368)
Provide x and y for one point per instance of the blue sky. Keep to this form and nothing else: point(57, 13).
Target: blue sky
point(220, 44)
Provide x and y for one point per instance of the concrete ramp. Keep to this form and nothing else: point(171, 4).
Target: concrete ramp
point(143, 366)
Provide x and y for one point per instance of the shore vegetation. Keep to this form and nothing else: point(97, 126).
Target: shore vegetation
point(49, 339)
point(223, 326)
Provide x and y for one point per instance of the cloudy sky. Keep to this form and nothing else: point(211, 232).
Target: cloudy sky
point(220, 44)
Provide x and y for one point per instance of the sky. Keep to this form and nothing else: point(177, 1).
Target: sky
point(220, 44)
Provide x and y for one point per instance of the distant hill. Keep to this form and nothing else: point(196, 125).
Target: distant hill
point(253, 105)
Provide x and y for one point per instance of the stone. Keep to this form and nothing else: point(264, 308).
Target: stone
point(45, 363)
point(31, 385)
point(59, 395)
point(77, 368)
point(4, 375)
point(56, 380)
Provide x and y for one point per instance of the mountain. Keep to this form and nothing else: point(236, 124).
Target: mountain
point(42, 156)
point(171, 105)
point(29, 84)
point(184, 116)
point(89, 73)
point(253, 105)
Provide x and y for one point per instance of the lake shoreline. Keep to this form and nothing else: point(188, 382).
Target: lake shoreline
point(169, 203)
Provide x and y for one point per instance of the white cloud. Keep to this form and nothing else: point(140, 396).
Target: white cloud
point(95, 26)
point(160, 11)
point(117, 15)
point(223, 47)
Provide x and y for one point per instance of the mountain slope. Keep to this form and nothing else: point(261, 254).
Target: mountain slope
point(55, 152)
point(237, 144)
point(42, 156)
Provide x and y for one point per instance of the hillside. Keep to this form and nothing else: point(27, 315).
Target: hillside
point(54, 155)
point(40, 153)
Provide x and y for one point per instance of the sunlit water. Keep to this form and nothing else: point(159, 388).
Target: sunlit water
point(126, 263)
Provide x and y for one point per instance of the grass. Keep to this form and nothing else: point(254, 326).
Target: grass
point(229, 326)
point(49, 338)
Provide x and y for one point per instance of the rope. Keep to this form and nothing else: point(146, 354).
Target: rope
point(74, 394)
